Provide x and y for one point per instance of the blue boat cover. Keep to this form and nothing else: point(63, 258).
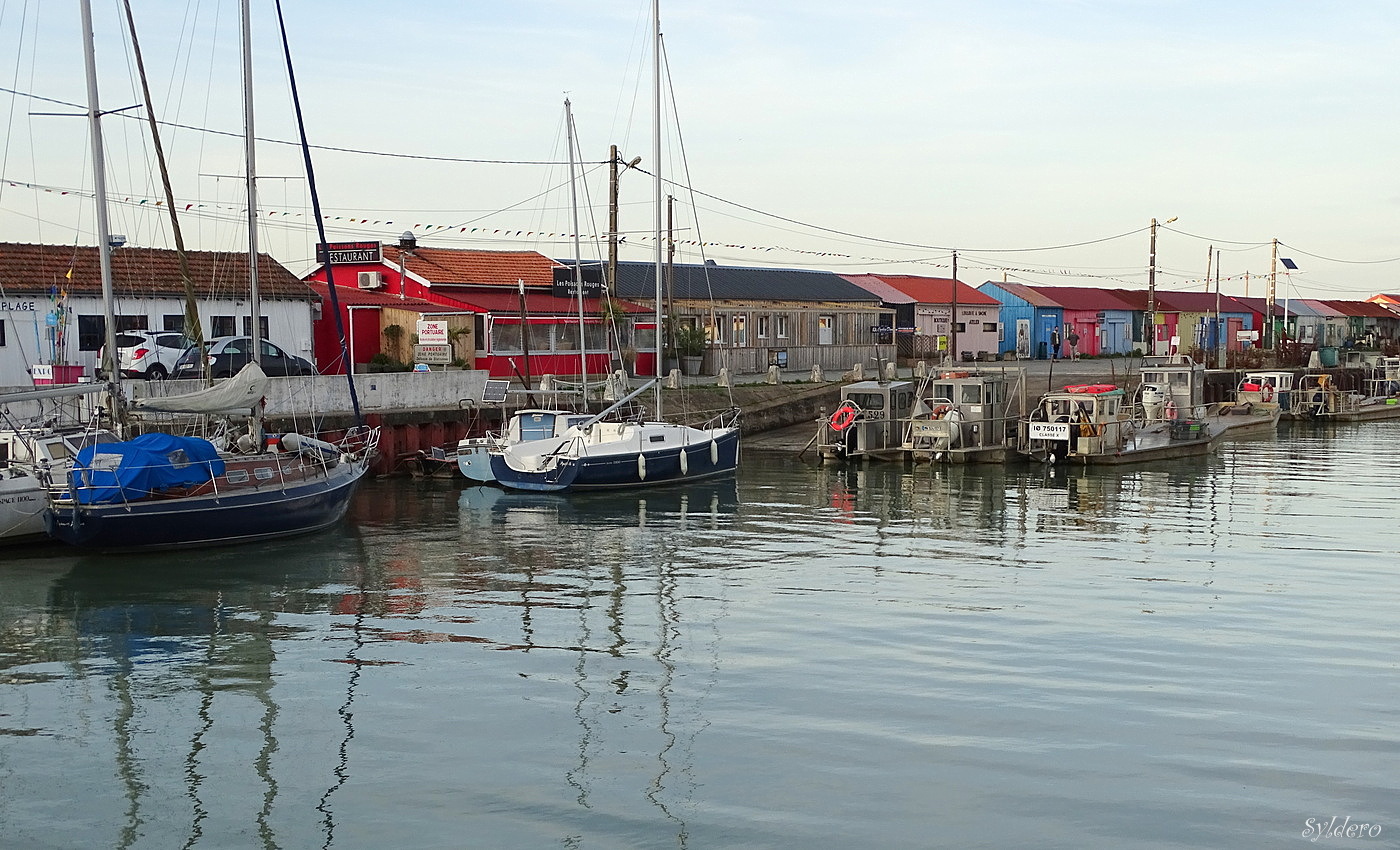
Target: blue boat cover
point(114, 472)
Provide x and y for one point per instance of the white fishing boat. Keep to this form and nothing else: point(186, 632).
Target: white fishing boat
point(1318, 396)
point(1094, 424)
point(966, 417)
point(868, 423)
point(1173, 388)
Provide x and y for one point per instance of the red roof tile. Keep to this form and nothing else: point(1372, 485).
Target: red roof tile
point(1085, 298)
point(935, 290)
point(472, 267)
point(143, 271)
point(1361, 309)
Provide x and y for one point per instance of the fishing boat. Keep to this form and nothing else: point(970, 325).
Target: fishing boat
point(868, 423)
point(1319, 398)
point(1095, 424)
point(1267, 387)
point(1172, 387)
point(162, 490)
point(607, 452)
point(966, 417)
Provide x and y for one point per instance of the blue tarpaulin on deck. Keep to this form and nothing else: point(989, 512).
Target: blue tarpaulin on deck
point(113, 472)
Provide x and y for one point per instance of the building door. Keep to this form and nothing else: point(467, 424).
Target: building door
point(826, 330)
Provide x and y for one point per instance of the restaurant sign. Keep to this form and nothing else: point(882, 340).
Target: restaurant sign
point(348, 253)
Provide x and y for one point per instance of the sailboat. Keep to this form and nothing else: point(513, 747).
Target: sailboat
point(161, 490)
point(603, 453)
point(36, 447)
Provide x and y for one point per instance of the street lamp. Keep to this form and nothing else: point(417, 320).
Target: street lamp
point(407, 242)
point(1149, 334)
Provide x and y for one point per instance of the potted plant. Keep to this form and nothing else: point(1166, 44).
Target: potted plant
point(690, 345)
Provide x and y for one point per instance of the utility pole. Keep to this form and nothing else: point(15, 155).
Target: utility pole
point(612, 221)
point(1149, 335)
point(1270, 342)
point(953, 323)
point(1221, 342)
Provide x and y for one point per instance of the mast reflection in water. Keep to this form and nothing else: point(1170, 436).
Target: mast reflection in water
point(808, 656)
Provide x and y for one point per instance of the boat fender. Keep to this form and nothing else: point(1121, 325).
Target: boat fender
point(714, 453)
point(1170, 411)
point(843, 417)
point(642, 467)
point(685, 463)
point(294, 442)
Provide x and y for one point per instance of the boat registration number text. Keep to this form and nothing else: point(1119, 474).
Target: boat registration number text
point(1049, 431)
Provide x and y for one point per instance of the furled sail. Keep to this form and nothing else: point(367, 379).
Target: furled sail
point(239, 394)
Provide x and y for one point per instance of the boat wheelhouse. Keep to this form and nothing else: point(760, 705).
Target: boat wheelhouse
point(868, 423)
point(1095, 424)
point(965, 417)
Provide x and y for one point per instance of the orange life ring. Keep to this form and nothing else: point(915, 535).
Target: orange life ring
point(843, 417)
point(939, 411)
point(1266, 392)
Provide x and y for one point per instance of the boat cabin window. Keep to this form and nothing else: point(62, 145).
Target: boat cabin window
point(970, 394)
point(867, 401)
point(536, 426)
point(942, 390)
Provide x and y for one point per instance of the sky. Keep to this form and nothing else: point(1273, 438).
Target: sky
point(1037, 139)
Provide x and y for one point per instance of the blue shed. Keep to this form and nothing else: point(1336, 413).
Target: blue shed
point(1027, 319)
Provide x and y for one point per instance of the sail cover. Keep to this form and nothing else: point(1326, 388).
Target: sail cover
point(239, 394)
point(114, 472)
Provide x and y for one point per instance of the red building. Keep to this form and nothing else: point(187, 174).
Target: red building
point(498, 305)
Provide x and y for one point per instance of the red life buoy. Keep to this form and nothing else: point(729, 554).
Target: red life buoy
point(843, 417)
point(1267, 392)
point(939, 411)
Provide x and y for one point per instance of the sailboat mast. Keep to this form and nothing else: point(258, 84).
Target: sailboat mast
point(656, 184)
point(578, 254)
point(254, 299)
point(99, 176)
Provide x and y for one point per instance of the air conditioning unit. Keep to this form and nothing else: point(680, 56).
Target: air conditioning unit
point(371, 280)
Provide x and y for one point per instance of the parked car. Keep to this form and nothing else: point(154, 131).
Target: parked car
point(147, 354)
point(228, 354)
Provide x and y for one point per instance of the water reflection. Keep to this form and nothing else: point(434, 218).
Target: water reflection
point(656, 667)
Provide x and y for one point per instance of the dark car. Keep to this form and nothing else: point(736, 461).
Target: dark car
point(228, 354)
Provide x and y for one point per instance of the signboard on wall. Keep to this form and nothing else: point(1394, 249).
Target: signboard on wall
point(432, 332)
point(348, 253)
point(438, 355)
point(563, 284)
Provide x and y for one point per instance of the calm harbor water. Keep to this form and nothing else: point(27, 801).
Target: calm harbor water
point(1201, 654)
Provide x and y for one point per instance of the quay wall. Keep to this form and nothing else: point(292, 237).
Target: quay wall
point(422, 411)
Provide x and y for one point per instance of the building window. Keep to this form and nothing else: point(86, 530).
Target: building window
point(173, 322)
point(741, 333)
point(223, 326)
point(714, 330)
point(780, 327)
point(2, 333)
point(92, 329)
point(762, 327)
point(990, 327)
point(248, 325)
